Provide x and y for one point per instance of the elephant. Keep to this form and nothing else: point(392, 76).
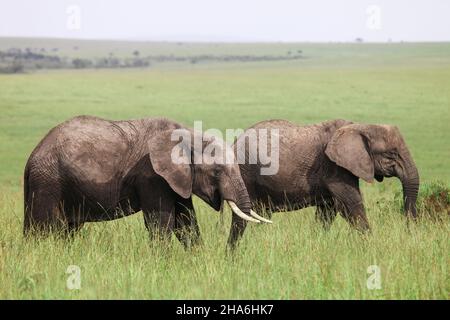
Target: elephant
point(89, 169)
point(320, 165)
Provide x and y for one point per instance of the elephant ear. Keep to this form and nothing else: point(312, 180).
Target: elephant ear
point(172, 161)
point(348, 149)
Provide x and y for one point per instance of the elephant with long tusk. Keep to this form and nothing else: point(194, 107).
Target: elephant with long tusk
point(88, 169)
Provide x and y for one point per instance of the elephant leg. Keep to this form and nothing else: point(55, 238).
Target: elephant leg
point(44, 214)
point(157, 202)
point(354, 213)
point(186, 226)
point(73, 228)
point(160, 224)
point(325, 214)
point(356, 217)
point(238, 226)
point(349, 203)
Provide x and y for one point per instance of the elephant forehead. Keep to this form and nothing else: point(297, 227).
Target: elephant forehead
point(386, 137)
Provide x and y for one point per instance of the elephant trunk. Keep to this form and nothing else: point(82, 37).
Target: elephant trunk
point(410, 184)
point(243, 199)
point(239, 201)
point(242, 206)
point(244, 203)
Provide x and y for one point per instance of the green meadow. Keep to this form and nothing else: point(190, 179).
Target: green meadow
point(404, 84)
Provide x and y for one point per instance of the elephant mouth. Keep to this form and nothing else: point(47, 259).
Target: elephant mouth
point(379, 178)
point(216, 200)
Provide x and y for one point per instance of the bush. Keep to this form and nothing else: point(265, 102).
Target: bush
point(433, 201)
point(81, 63)
point(14, 67)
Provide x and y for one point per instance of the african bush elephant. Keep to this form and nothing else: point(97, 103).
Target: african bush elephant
point(321, 165)
point(89, 169)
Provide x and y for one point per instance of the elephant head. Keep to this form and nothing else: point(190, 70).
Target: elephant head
point(376, 151)
point(194, 163)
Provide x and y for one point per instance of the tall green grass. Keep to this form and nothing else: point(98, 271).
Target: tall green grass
point(291, 259)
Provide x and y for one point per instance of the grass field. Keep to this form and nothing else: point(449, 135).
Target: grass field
point(403, 84)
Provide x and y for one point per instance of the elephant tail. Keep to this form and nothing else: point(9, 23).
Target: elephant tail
point(221, 222)
point(26, 188)
point(27, 202)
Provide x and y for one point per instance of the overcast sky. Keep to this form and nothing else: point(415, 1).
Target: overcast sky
point(229, 20)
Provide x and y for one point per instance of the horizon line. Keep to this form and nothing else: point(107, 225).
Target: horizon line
point(235, 41)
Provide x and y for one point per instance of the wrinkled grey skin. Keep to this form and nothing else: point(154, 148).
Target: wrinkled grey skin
point(320, 165)
point(89, 169)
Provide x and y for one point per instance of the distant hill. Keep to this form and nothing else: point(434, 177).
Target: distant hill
point(18, 54)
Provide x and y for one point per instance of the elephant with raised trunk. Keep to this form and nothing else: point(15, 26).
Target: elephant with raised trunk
point(89, 169)
point(320, 165)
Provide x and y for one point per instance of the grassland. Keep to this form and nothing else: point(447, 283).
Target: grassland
point(402, 84)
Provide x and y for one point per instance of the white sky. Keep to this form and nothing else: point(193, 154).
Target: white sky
point(229, 20)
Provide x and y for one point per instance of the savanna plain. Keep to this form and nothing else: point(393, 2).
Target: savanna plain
point(404, 84)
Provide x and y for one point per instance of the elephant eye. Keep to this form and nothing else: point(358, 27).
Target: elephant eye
point(388, 159)
point(391, 155)
point(217, 172)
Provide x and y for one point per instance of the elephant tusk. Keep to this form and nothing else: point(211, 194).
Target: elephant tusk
point(257, 216)
point(239, 213)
